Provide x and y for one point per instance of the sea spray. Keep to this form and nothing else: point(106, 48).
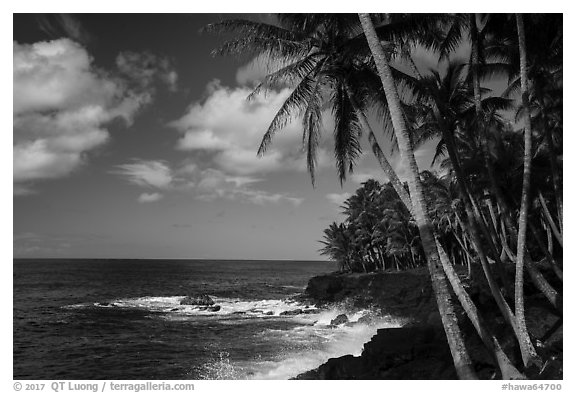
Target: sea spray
point(325, 343)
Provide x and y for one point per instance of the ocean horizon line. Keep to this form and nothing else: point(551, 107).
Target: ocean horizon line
point(171, 259)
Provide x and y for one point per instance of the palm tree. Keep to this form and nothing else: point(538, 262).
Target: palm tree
point(460, 355)
point(529, 355)
point(446, 107)
point(337, 245)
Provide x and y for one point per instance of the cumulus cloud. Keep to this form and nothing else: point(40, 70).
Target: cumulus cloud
point(230, 128)
point(338, 199)
point(205, 184)
point(147, 198)
point(62, 106)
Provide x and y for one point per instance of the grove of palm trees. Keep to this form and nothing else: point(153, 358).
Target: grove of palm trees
point(489, 206)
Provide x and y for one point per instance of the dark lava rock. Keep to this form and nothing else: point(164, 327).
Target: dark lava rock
point(420, 350)
point(406, 294)
point(416, 352)
point(202, 300)
point(366, 319)
point(339, 320)
point(292, 312)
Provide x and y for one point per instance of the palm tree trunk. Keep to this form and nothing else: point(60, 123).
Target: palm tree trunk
point(529, 355)
point(462, 361)
point(507, 369)
point(555, 176)
point(382, 160)
point(494, 289)
point(549, 219)
point(549, 238)
point(526, 347)
point(547, 253)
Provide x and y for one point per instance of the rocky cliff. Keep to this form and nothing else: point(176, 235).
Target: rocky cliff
point(419, 350)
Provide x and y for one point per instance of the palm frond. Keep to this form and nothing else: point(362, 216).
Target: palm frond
point(451, 40)
point(347, 132)
point(252, 28)
point(312, 123)
point(297, 101)
point(286, 75)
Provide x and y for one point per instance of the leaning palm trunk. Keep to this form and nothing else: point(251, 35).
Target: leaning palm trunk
point(474, 232)
point(526, 347)
point(382, 160)
point(555, 176)
point(529, 355)
point(462, 361)
point(548, 256)
point(549, 219)
point(507, 369)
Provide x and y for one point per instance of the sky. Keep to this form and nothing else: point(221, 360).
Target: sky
point(130, 140)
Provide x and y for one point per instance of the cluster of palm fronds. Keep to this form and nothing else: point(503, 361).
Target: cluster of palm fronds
point(501, 200)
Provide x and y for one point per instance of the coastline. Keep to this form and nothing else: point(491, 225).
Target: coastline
point(418, 349)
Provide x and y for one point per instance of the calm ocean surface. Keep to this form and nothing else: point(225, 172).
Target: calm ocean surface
point(121, 319)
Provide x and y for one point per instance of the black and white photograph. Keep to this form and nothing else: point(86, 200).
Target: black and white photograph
point(287, 196)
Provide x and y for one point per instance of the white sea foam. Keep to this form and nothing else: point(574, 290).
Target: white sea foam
point(170, 305)
point(325, 342)
point(303, 347)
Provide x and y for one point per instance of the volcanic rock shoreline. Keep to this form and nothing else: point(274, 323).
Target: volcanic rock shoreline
point(419, 350)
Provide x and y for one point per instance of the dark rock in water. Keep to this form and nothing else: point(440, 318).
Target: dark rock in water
point(104, 304)
point(269, 313)
point(239, 313)
point(311, 311)
point(366, 319)
point(174, 309)
point(214, 308)
point(202, 300)
point(292, 312)
point(339, 320)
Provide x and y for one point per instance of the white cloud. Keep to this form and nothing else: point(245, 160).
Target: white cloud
point(155, 174)
point(231, 128)
point(214, 184)
point(207, 184)
point(58, 74)
point(147, 198)
point(63, 103)
point(338, 199)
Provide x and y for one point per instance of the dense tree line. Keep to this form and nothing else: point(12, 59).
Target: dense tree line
point(499, 201)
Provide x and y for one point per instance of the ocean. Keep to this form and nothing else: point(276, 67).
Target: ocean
point(122, 319)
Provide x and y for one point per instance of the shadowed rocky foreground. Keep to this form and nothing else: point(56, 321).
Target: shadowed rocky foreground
point(419, 349)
